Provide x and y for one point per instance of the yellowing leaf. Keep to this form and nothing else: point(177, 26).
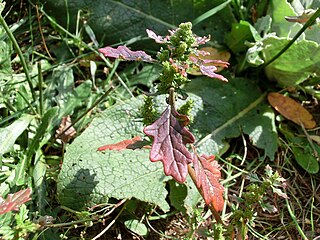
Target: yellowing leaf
point(291, 110)
point(315, 138)
point(214, 54)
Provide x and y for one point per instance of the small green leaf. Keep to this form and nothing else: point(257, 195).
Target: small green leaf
point(44, 128)
point(240, 33)
point(137, 227)
point(178, 193)
point(263, 25)
point(304, 154)
point(39, 172)
point(9, 134)
point(37, 142)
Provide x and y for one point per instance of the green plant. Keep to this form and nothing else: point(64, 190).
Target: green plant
point(255, 197)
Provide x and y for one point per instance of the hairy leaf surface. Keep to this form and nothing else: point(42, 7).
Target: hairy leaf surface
point(90, 177)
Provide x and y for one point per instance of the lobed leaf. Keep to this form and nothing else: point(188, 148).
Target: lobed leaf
point(208, 173)
point(157, 38)
point(170, 137)
point(122, 52)
point(210, 72)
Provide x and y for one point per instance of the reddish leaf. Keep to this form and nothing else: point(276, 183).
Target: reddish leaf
point(202, 40)
point(125, 144)
point(14, 201)
point(169, 139)
point(210, 72)
point(161, 40)
point(125, 53)
point(207, 178)
point(157, 38)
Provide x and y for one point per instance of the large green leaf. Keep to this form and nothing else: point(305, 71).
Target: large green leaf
point(225, 110)
point(300, 61)
point(278, 9)
point(89, 176)
point(222, 111)
point(121, 20)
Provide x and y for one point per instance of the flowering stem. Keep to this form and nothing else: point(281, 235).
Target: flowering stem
point(172, 99)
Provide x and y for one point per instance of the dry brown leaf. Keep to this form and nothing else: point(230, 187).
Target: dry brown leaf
point(215, 54)
point(291, 110)
point(62, 133)
point(315, 138)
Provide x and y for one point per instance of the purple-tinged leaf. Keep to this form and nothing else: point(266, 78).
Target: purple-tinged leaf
point(202, 52)
point(202, 40)
point(170, 137)
point(13, 201)
point(210, 72)
point(122, 52)
point(157, 38)
point(208, 174)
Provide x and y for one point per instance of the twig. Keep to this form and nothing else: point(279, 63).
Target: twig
point(41, 33)
point(112, 222)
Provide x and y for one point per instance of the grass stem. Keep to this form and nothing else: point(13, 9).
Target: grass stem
point(20, 54)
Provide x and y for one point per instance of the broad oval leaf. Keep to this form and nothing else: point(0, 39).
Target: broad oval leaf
point(90, 177)
point(122, 20)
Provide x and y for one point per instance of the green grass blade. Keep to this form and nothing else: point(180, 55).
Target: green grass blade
point(20, 54)
point(210, 13)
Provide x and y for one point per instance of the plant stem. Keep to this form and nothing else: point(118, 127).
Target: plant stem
point(311, 20)
point(40, 79)
point(172, 99)
point(111, 223)
point(20, 54)
point(295, 221)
